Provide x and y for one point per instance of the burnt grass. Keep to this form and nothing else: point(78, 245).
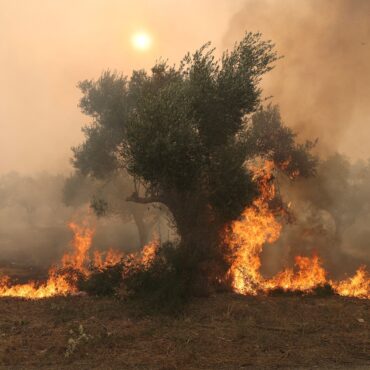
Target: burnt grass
point(225, 331)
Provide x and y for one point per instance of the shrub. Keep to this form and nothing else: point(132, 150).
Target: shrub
point(102, 282)
point(162, 285)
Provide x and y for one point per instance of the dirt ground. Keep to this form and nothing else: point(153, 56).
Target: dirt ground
point(222, 332)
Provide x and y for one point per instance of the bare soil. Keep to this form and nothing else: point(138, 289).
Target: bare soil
point(226, 331)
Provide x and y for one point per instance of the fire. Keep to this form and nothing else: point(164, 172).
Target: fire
point(109, 258)
point(62, 280)
point(55, 285)
point(148, 253)
point(257, 226)
point(309, 275)
point(58, 282)
point(246, 238)
point(82, 239)
point(356, 286)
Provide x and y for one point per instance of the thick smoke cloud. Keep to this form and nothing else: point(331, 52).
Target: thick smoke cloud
point(323, 82)
point(331, 217)
point(322, 85)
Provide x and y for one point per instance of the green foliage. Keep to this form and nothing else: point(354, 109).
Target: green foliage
point(103, 100)
point(182, 130)
point(184, 134)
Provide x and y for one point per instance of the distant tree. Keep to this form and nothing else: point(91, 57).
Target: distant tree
point(185, 135)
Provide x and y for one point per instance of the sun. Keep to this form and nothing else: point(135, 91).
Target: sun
point(141, 41)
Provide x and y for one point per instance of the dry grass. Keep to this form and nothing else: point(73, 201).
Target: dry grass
point(223, 332)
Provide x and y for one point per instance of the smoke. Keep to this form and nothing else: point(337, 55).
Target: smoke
point(34, 221)
point(46, 47)
point(322, 84)
point(331, 218)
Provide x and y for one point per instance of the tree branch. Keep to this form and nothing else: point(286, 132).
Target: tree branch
point(134, 197)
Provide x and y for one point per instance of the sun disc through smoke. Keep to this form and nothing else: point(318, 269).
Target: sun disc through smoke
point(141, 41)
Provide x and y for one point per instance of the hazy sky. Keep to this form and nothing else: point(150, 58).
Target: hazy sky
point(323, 82)
point(47, 46)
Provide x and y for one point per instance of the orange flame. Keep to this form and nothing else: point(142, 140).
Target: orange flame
point(258, 226)
point(309, 275)
point(63, 281)
point(110, 258)
point(55, 285)
point(58, 283)
point(148, 253)
point(82, 239)
point(356, 286)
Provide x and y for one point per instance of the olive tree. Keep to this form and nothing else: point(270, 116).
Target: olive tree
point(185, 133)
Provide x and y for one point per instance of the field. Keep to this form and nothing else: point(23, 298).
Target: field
point(225, 331)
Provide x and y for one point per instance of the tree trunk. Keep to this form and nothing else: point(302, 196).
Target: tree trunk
point(138, 216)
point(203, 258)
point(201, 242)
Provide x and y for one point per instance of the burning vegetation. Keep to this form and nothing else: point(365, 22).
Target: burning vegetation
point(258, 226)
point(187, 183)
point(74, 266)
point(245, 238)
point(197, 140)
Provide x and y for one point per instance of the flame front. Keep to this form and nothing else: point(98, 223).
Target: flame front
point(245, 238)
point(148, 253)
point(58, 283)
point(356, 286)
point(107, 259)
point(63, 281)
point(257, 226)
point(55, 285)
point(82, 239)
